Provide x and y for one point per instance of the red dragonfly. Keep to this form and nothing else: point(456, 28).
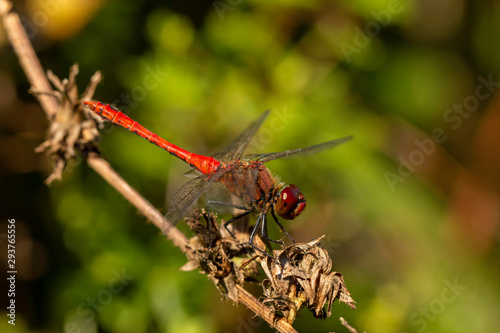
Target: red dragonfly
point(247, 178)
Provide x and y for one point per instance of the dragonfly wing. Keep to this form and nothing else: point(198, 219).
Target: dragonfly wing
point(185, 198)
point(235, 149)
point(298, 152)
point(192, 173)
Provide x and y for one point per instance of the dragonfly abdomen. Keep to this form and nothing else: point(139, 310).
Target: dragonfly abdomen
point(201, 163)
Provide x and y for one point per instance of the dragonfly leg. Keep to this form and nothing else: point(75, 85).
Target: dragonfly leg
point(264, 234)
point(280, 225)
point(252, 235)
point(221, 203)
point(227, 223)
point(206, 216)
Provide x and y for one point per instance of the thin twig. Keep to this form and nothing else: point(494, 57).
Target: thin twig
point(103, 168)
point(348, 326)
point(39, 82)
point(263, 311)
point(27, 57)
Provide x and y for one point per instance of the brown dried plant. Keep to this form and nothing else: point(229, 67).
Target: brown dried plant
point(299, 275)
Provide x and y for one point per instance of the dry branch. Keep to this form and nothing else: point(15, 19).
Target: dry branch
point(27, 57)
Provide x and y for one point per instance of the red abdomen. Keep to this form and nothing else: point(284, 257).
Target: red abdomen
point(204, 164)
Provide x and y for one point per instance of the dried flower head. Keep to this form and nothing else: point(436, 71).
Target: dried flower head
point(301, 275)
point(72, 126)
point(219, 255)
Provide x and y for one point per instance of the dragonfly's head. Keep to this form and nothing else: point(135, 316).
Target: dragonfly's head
point(291, 202)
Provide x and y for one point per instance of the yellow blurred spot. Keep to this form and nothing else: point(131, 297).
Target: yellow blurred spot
point(292, 74)
point(60, 19)
point(172, 32)
point(387, 311)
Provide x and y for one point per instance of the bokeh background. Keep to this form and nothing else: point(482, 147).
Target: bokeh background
point(410, 208)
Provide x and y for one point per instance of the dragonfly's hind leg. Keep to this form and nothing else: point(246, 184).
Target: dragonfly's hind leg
point(208, 221)
point(227, 223)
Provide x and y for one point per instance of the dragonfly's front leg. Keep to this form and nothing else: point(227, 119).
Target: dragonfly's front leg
point(264, 234)
point(280, 225)
point(260, 220)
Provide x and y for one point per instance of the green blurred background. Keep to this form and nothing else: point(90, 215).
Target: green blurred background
point(411, 221)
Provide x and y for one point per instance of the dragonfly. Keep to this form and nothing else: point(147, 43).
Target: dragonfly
point(246, 177)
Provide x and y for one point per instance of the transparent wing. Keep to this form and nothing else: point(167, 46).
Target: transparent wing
point(235, 149)
point(192, 173)
point(189, 193)
point(298, 152)
point(185, 198)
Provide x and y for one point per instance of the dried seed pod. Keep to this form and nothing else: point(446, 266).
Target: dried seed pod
point(224, 260)
point(301, 275)
point(72, 126)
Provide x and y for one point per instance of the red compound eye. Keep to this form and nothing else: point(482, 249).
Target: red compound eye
point(290, 203)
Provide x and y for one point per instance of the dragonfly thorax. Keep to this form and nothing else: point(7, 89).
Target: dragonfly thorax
point(290, 203)
point(251, 181)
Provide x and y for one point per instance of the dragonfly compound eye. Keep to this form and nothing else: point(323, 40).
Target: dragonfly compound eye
point(290, 203)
